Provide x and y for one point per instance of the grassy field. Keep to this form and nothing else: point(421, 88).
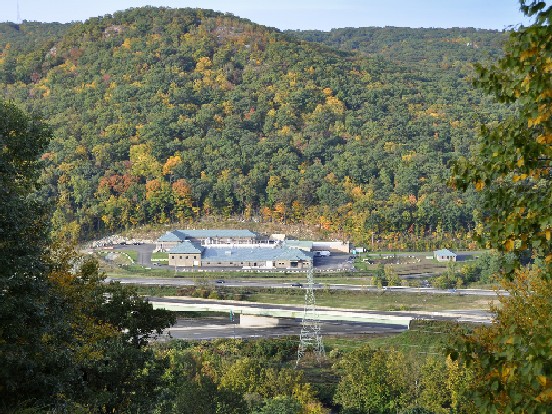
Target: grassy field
point(157, 291)
point(160, 256)
point(138, 271)
point(381, 300)
point(369, 300)
point(133, 254)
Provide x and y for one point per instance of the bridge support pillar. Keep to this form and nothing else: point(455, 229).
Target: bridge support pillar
point(254, 321)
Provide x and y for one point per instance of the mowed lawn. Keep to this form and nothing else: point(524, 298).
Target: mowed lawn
point(383, 301)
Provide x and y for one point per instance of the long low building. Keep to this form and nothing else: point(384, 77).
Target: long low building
point(188, 254)
point(241, 248)
point(261, 258)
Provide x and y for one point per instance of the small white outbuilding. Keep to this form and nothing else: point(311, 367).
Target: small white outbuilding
point(444, 255)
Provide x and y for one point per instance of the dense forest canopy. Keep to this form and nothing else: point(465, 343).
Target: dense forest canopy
point(405, 45)
point(165, 115)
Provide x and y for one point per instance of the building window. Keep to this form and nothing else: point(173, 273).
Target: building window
point(186, 257)
point(180, 257)
point(172, 257)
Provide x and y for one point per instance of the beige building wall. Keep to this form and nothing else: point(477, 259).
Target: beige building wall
point(184, 259)
point(272, 264)
point(446, 258)
point(334, 247)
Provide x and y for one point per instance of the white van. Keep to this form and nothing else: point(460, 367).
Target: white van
point(322, 253)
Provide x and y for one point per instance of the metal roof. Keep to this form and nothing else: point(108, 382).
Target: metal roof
point(181, 235)
point(217, 233)
point(298, 243)
point(443, 252)
point(172, 236)
point(187, 247)
point(247, 255)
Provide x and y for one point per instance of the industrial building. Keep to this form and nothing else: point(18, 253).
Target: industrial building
point(241, 248)
point(189, 254)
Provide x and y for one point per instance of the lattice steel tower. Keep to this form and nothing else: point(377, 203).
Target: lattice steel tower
point(310, 330)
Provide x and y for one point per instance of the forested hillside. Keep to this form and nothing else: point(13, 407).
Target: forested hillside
point(430, 48)
point(170, 115)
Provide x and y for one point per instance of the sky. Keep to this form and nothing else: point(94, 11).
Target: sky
point(294, 14)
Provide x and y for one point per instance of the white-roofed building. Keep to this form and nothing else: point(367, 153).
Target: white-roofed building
point(444, 255)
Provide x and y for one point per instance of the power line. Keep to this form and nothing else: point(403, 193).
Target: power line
point(310, 337)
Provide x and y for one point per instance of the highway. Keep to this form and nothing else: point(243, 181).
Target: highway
point(288, 285)
point(220, 327)
point(279, 320)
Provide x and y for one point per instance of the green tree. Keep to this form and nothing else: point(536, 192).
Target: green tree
point(371, 381)
point(66, 338)
point(110, 324)
point(31, 323)
point(280, 405)
point(107, 326)
point(418, 410)
point(511, 358)
point(391, 276)
point(433, 394)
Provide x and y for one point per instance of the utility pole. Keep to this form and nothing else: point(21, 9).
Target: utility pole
point(310, 337)
point(233, 321)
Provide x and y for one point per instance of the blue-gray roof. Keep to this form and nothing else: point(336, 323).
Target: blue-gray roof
point(217, 233)
point(247, 255)
point(444, 252)
point(181, 235)
point(187, 247)
point(298, 243)
point(172, 236)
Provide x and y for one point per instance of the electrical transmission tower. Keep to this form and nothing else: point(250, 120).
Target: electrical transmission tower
point(310, 330)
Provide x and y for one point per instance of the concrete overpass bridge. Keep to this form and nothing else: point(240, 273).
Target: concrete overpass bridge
point(271, 315)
